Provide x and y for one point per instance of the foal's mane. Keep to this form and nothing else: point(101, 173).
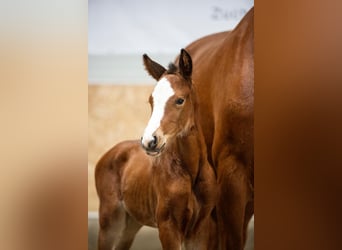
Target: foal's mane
point(172, 69)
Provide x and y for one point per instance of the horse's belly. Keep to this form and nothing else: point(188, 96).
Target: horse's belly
point(137, 194)
point(138, 205)
point(140, 214)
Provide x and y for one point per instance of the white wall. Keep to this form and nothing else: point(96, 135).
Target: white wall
point(120, 31)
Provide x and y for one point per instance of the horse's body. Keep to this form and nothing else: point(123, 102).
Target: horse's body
point(174, 187)
point(224, 78)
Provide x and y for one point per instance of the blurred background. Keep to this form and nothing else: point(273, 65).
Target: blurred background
point(44, 122)
point(119, 33)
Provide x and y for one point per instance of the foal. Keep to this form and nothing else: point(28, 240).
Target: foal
point(164, 180)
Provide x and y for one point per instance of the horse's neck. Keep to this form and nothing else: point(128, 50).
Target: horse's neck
point(187, 152)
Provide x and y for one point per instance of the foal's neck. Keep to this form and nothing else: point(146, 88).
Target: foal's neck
point(187, 152)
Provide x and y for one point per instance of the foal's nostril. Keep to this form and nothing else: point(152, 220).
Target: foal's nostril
point(152, 144)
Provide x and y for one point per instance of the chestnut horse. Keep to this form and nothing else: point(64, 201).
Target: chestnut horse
point(224, 78)
point(164, 180)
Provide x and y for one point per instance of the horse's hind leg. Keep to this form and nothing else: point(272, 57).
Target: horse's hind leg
point(112, 224)
point(128, 234)
point(117, 229)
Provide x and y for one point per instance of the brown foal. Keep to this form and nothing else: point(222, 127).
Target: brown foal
point(164, 180)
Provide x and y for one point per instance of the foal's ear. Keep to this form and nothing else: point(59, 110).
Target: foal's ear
point(153, 68)
point(185, 64)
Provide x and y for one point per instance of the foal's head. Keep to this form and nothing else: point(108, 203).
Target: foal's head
point(171, 101)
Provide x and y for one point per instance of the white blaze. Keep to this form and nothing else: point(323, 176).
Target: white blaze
point(161, 94)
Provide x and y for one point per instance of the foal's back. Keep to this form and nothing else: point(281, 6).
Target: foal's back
point(123, 178)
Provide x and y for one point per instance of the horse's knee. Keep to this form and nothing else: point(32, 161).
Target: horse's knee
point(105, 221)
point(110, 215)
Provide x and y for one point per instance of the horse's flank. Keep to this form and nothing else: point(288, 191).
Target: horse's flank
point(224, 78)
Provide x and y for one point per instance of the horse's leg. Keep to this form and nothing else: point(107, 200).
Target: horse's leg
point(231, 206)
point(204, 236)
point(169, 231)
point(128, 234)
point(169, 236)
point(112, 223)
point(248, 215)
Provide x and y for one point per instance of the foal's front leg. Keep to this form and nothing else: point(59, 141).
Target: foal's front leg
point(174, 211)
point(169, 235)
point(173, 223)
point(170, 219)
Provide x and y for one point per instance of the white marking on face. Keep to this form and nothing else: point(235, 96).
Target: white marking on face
point(161, 94)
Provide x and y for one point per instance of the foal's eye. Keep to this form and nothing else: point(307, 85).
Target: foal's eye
point(179, 101)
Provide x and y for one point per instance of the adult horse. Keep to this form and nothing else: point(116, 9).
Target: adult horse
point(172, 187)
point(224, 78)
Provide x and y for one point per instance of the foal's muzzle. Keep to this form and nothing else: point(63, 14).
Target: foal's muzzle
point(151, 147)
